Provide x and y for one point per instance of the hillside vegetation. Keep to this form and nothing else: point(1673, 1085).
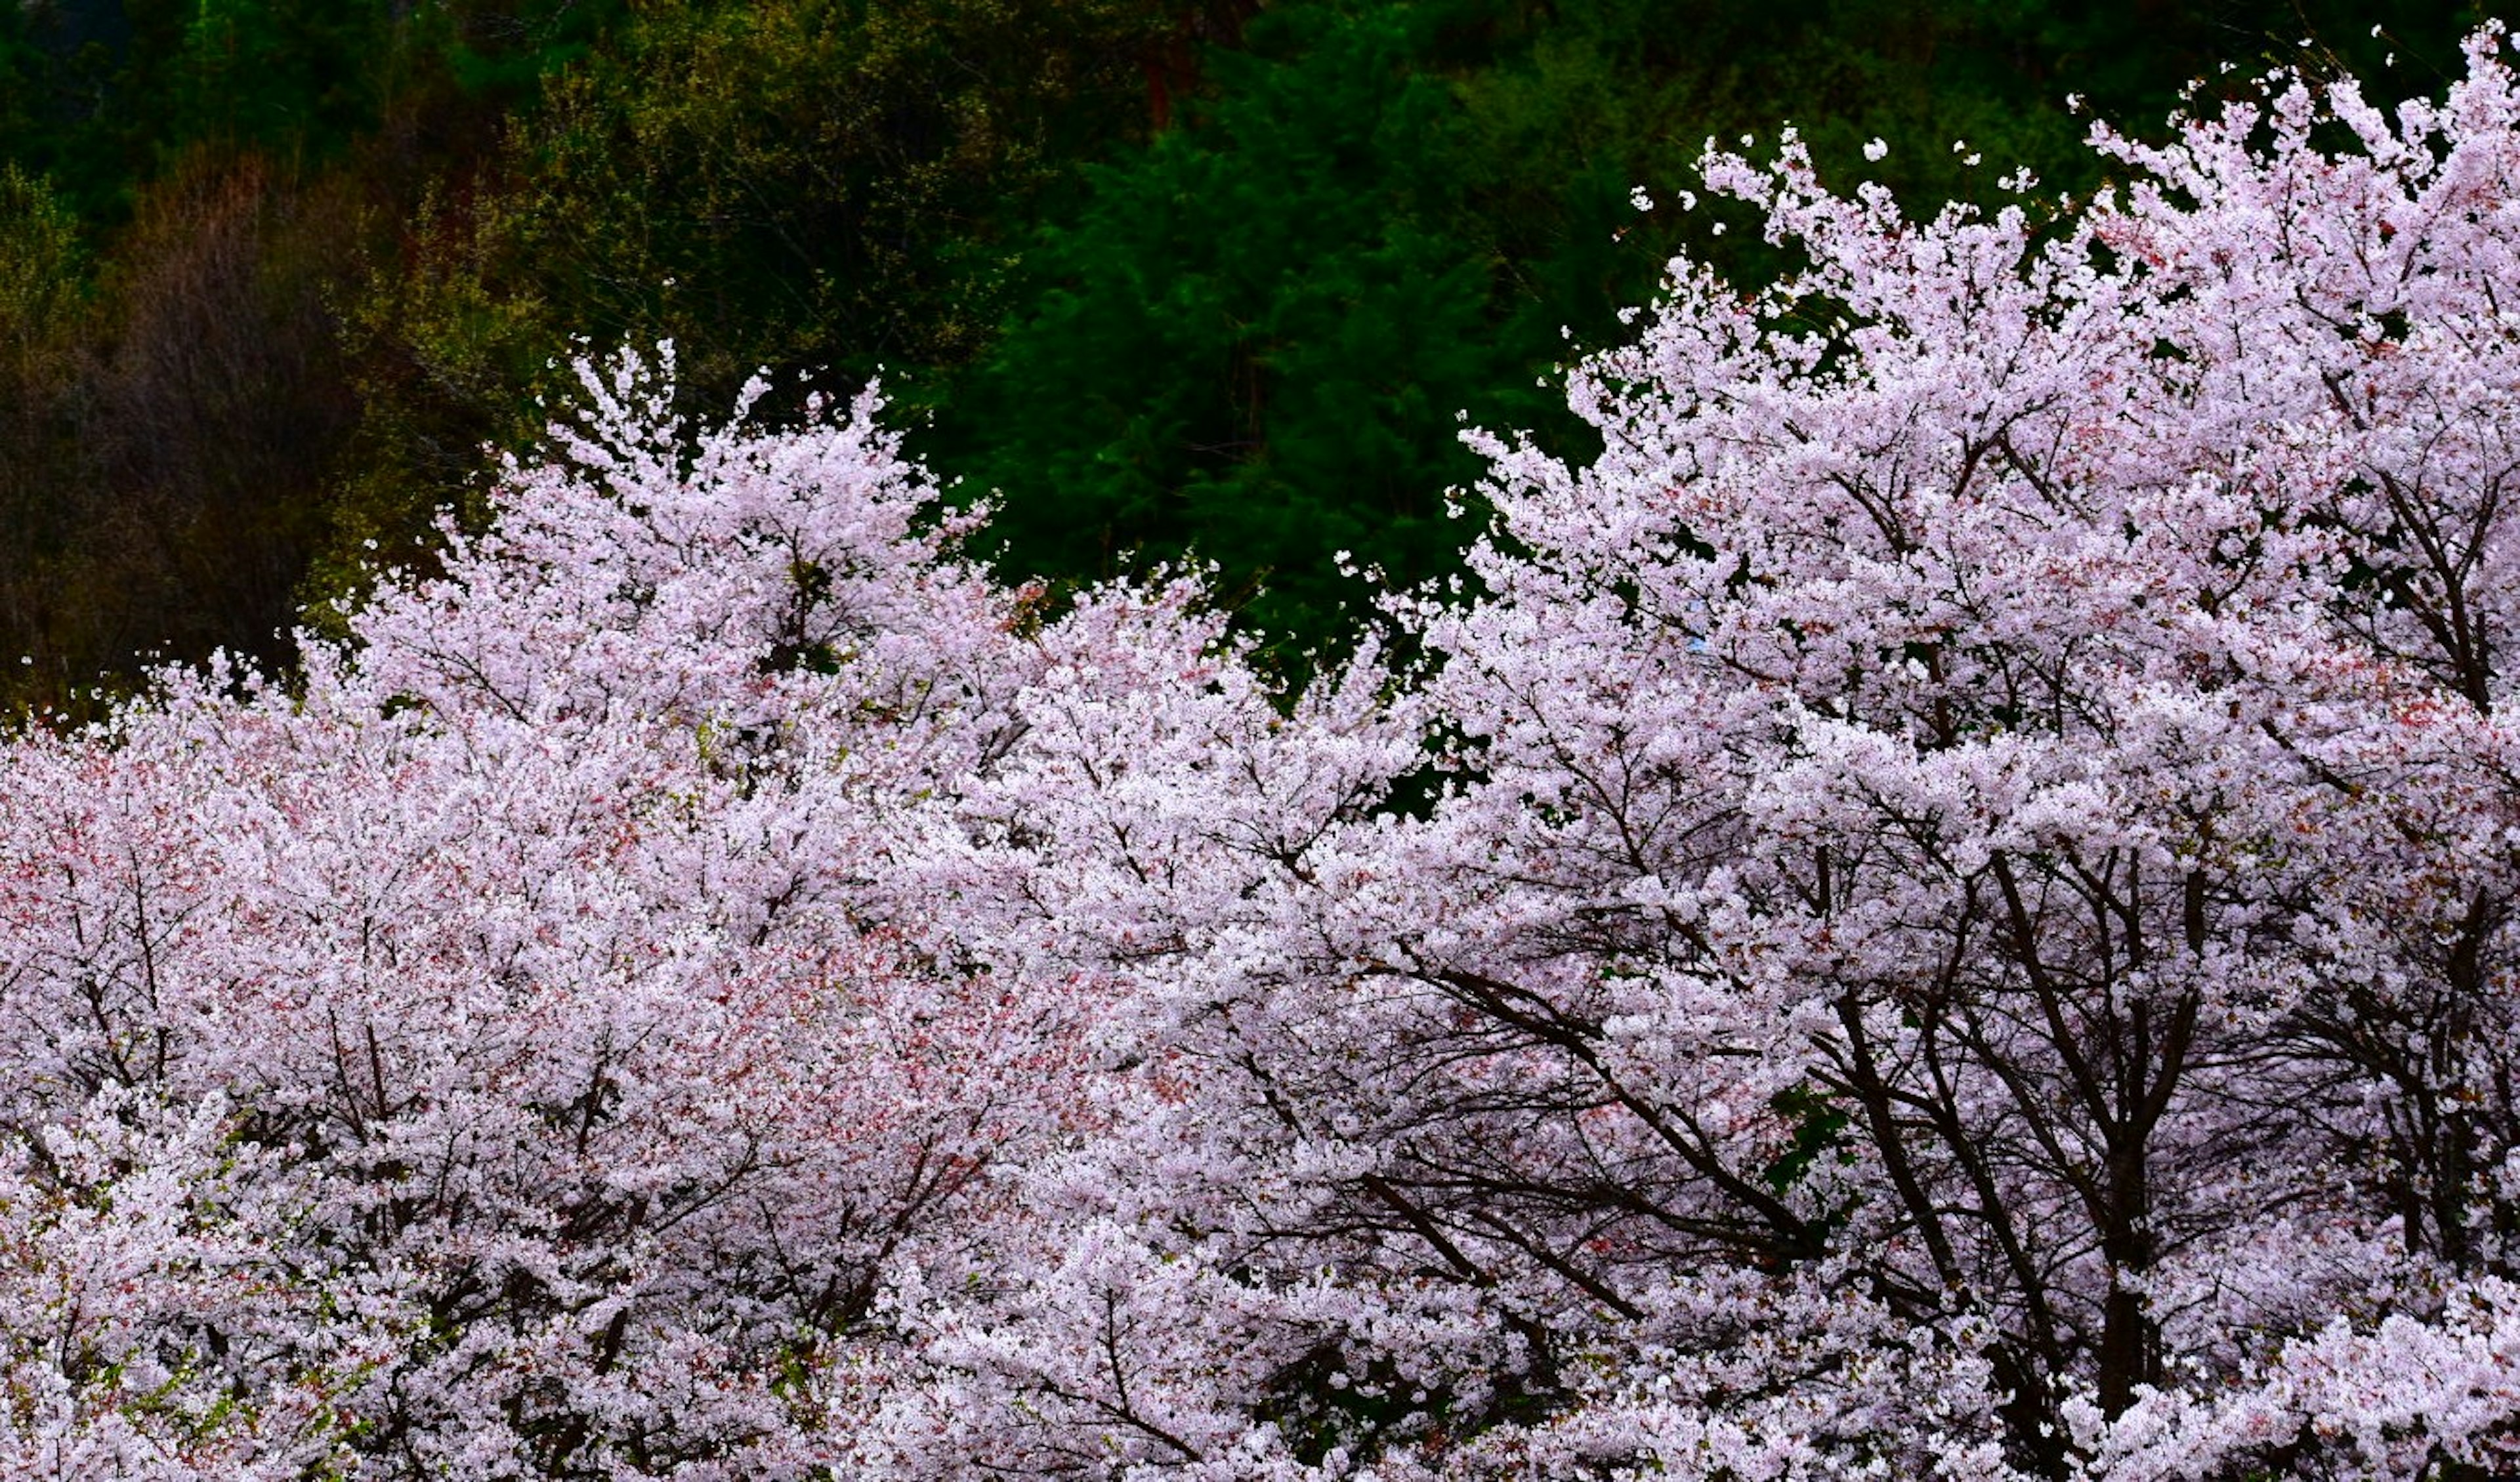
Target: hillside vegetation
point(277, 277)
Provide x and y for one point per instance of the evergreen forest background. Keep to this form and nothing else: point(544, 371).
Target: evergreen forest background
point(1205, 277)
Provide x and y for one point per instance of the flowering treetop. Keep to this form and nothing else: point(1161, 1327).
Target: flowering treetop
point(1945, 903)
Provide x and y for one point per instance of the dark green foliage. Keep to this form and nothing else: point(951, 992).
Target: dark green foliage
point(815, 186)
point(1817, 1125)
point(1253, 340)
point(1256, 342)
point(1178, 276)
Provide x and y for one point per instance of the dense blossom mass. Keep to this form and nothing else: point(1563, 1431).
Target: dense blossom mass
point(1944, 907)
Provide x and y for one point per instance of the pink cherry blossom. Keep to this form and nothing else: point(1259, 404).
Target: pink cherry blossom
point(1945, 904)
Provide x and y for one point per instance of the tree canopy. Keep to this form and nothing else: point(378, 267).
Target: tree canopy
point(1943, 897)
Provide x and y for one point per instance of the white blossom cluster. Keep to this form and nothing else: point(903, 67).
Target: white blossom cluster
point(1947, 907)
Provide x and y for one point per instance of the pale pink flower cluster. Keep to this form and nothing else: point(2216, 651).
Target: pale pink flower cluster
point(1947, 906)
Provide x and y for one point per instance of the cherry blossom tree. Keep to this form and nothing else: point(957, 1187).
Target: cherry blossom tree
point(1943, 904)
point(501, 1053)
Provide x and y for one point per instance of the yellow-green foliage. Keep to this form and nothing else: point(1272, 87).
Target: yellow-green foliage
point(816, 186)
